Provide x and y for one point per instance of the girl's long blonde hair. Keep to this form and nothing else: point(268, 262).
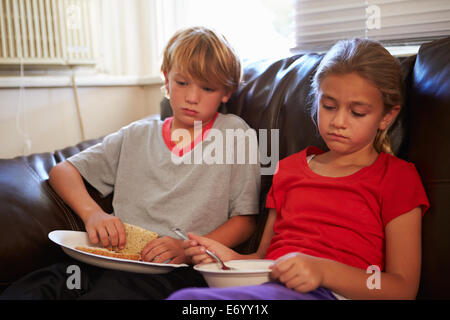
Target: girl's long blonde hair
point(371, 61)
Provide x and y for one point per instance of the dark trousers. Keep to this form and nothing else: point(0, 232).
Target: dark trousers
point(97, 283)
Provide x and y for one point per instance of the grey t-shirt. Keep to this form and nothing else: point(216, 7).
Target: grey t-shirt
point(152, 189)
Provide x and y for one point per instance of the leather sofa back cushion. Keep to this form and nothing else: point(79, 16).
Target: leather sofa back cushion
point(429, 149)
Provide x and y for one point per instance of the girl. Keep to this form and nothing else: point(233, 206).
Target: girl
point(335, 216)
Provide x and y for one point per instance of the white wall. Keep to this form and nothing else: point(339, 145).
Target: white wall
point(128, 51)
point(50, 119)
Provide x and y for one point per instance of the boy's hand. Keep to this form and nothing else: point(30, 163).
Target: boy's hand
point(196, 246)
point(108, 228)
point(298, 271)
point(164, 249)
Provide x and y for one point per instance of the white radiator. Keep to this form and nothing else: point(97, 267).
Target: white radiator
point(46, 32)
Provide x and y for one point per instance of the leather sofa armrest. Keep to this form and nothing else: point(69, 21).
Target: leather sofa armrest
point(30, 209)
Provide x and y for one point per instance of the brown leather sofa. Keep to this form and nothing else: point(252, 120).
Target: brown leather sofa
point(274, 95)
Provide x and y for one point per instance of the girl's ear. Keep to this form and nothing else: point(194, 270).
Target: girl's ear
point(389, 117)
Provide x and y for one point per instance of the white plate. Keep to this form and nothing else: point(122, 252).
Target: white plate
point(68, 240)
point(247, 272)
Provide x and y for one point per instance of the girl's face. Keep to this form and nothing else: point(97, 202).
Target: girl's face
point(192, 100)
point(351, 110)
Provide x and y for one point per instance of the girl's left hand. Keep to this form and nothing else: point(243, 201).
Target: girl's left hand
point(298, 271)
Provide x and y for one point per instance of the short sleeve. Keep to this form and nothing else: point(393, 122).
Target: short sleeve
point(270, 201)
point(402, 191)
point(275, 196)
point(98, 164)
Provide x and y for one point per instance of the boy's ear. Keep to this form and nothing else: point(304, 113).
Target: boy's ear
point(166, 83)
point(389, 117)
point(226, 96)
point(166, 77)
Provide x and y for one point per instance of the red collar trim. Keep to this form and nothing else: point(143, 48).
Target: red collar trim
point(166, 133)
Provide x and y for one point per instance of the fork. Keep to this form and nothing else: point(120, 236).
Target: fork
point(212, 255)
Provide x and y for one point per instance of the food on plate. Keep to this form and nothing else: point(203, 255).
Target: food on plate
point(109, 253)
point(137, 239)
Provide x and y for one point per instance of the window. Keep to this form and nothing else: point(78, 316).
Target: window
point(320, 23)
point(256, 28)
point(46, 32)
point(126, 38)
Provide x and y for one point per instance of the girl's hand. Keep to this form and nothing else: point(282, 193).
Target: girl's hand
point(164, 249)
point(298, 271)
point(107, 228)
point(196, 246)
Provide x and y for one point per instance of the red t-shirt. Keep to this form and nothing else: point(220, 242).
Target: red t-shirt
point(341, 219)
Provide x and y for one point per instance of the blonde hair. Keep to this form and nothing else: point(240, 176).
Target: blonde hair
point(203, 55)
point(371, 61)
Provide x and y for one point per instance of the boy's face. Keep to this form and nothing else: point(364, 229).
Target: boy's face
point(192, 100)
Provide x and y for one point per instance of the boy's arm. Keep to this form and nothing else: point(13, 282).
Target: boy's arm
point(196, 246)
point(68, 184)
point(234, 231)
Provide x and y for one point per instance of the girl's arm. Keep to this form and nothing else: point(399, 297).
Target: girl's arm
point(399, 281)
point(266, 237)
point(196, 246)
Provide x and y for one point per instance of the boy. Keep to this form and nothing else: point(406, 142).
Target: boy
point(151, 190)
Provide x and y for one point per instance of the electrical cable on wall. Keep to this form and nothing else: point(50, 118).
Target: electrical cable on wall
point(77, 104)
point(21, 115)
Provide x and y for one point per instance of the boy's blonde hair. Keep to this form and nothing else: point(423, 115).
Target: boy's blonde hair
point(203, 55)
point(371, 61)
